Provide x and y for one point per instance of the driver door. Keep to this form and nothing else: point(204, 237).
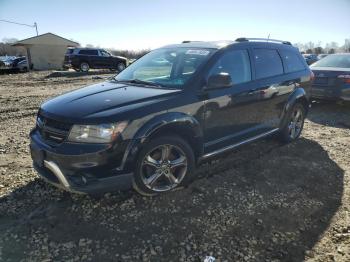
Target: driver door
point(104, 59)
point(230, 113)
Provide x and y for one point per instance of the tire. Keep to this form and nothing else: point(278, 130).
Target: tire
point(84, 67)
point(120, 66)
point(293, 123)
point(164, 164)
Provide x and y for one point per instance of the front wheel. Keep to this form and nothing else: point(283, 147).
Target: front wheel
point(164, 164)
point(120, 67)
point(293, 124)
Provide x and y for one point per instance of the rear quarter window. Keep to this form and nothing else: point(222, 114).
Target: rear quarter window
point(292, 61)
point(267, 63)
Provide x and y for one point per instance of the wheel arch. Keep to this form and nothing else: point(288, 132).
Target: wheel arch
point(298, 96)
point(177, 124)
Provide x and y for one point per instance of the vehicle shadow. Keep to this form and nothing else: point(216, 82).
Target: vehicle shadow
point(263, 202)
point(330, 114)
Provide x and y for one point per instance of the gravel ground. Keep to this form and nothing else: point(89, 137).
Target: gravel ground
point(263, 202)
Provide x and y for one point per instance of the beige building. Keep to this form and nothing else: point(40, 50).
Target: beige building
point(46, 51)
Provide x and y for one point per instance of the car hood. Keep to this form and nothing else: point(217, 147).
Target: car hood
point(107, 100)
point(119, 57)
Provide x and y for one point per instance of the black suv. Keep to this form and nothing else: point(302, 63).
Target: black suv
point(175, 107)
point(82, 59)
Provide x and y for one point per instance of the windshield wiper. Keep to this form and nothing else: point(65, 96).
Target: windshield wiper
point(140, 82)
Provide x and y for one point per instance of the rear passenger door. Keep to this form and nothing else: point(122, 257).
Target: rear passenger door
point(89, 55)
point(272, 87)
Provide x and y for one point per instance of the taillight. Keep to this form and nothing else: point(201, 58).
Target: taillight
point(312, 76)
point(345, 78)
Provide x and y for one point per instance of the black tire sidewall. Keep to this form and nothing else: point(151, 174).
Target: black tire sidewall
point(172, 140)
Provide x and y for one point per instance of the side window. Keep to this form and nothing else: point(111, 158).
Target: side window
point(292, 61)
point(236, 63)
point(104, 53)
point(267, 63)
point(88, 52)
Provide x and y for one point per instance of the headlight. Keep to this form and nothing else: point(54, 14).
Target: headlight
point(104, 133)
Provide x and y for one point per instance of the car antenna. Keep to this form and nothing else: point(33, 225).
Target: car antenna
point(268, 37)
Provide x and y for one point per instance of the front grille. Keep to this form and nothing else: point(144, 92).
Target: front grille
point(52, 131)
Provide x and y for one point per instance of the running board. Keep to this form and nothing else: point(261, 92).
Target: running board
point(227, 148)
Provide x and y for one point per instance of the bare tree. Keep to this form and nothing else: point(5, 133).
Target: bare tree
point(346, 46)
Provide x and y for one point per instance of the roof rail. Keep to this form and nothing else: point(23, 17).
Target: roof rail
point(189, 41)
point(244, 39)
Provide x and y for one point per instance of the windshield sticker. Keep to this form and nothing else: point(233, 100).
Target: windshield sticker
point(197, 52)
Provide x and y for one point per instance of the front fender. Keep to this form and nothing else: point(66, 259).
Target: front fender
point(168, 122)
point(166, 119)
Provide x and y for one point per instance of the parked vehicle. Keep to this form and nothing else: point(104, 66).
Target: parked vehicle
point(310, 58)
point(15, 64)
point(169, 111)
point(82, 59)
point(332, 78)
point(22, 66)
point(320, 56)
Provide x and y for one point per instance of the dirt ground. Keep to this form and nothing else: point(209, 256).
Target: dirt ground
point(262, 202)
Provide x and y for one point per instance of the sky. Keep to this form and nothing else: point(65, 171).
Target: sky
point(148, 24)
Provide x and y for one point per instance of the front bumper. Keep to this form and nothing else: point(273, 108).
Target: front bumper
point(81, 168)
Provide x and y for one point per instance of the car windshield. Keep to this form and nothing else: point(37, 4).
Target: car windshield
point(166, 67)
point(342, 61)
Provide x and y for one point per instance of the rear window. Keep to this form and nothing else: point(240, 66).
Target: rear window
point(267, 63)
point(69, 51)
point(292, 61)
point(88, 52)
point(342, 61)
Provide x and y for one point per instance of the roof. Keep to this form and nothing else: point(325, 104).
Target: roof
point(48, 38)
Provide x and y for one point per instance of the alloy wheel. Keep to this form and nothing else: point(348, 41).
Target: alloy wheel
point(163, 168)
point(296, 123)
point(84, 67)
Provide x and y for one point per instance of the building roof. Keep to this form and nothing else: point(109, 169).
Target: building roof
point(47, 39)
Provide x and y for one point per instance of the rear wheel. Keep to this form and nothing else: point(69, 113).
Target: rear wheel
point(293, 124)
point(163, 164)
point(84, 67)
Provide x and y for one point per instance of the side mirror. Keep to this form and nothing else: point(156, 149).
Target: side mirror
point(222, 80)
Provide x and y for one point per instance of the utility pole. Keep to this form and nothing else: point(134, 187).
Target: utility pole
point(12, 22)
point(36, 28)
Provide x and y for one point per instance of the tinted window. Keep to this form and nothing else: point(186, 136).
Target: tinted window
point(236, 64)
point(342, 61)
point(292, 61)
point(69, 51)
point(104, 53)
point(267, 63)
point(88, 52)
